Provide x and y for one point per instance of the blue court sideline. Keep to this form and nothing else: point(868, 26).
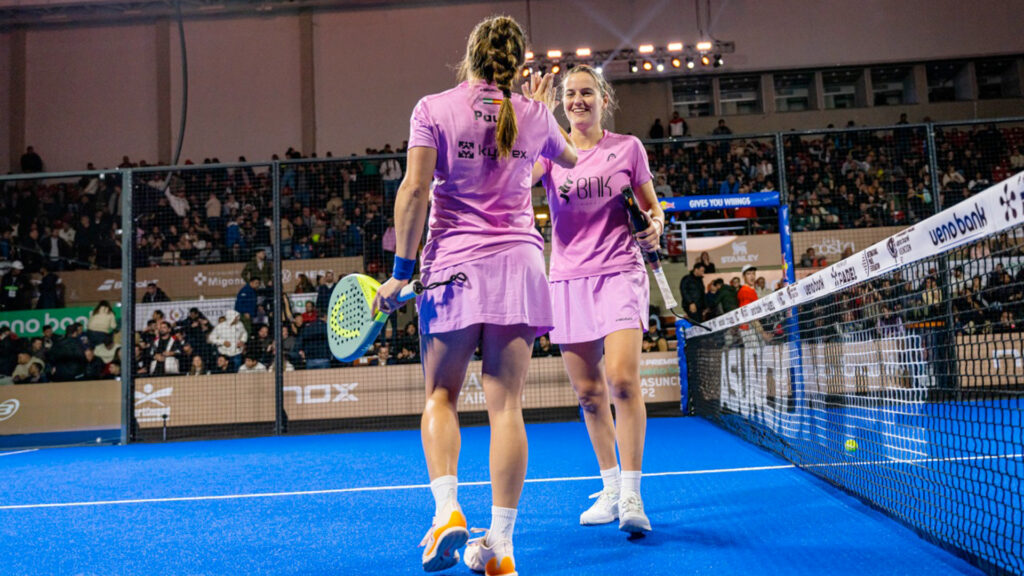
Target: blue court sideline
point(359, 504)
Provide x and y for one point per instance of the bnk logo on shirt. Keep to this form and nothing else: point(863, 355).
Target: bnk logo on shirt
point(466, 149)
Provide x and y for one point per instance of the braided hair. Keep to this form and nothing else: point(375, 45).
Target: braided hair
point(495, 52)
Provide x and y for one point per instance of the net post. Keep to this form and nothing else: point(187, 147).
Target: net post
point(127, 309)
point(945, 337)
point(279, 415)
point(684, 383)
point(792, 323)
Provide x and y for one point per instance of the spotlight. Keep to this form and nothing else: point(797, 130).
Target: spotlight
point(529, 55)
point(582, 52)
point(526, 72)
point(676, 62)
point(648, 66)
point(632, 66)
point(599, 69)
point(718, 60)
point(705, 60)
point(556, 68)
point(645, 48)
point(661, 66)
point(554, 54)
point(689, 62)
point(675, 46)
point(704, 46)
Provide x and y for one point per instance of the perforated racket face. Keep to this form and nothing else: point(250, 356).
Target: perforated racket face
point(350, 314)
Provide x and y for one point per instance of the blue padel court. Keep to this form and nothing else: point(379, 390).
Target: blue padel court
point(359, 503)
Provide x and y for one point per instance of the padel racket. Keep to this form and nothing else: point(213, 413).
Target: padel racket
point(639, 221)
point(352, 326)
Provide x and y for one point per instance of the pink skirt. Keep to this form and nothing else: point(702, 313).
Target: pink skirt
point(590, 308)
point(506, 288)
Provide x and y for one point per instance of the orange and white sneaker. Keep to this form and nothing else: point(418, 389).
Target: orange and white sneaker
point(496, 560)
point(442, 542)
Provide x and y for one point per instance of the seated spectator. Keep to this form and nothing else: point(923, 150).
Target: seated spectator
point(154, 294)
point(544, 348)
point(654, 341)
point(21, 374)
point(325, 286)
point(252, 364)
point(107, 350)
point(303, 285)
point(95, 368)
point(383, 356)
point(811, 260)
point(709, 266)
point(223, 365)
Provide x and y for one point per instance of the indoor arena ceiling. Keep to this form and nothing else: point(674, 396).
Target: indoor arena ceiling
point(49, 13)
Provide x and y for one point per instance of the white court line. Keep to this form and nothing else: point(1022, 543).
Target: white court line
point(480, 483)
point(18, 452)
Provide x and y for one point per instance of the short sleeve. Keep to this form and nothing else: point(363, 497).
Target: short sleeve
point(641, 167)
point(422, 132)
point(554, 142)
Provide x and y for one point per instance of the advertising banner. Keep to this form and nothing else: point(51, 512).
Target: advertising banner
point(29, 323)
point(358, 392)
point(60, 407)
point(191, 282)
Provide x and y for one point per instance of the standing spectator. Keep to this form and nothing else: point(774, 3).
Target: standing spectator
point(657, 131)
point(761, 287)
point(56, 249)
point(102, 323)
point(303, 285)
point(747, 293)
point(323, 292)
point(391, 177)
point(68, 355)
point(722, 129)
point(722, 298)
point(259, 268)
point(16, 289)
point(51, 290)
point(107, 350)
point(677, 126)
point(31, 162)
point(165, 352)
point(229, 336)
point(691, 288)
point(310, 314)
point(154, 294)
point(810, 260)
point(246, 301)
point(312, 345)
point(709, 266)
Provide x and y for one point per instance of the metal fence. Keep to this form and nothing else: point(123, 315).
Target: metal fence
point(218, 275)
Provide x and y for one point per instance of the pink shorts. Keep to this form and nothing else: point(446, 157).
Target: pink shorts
point(590, 308)
point(507, 288)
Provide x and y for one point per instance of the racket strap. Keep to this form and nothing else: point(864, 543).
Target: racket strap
point(457, 277)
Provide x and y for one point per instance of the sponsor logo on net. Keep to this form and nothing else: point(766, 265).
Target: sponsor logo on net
point(740, 254)
point(844, 276)
point(813, 285)
point(149, 403)
point(9, 408)
point(958, 225)
point(323, 393)
point(869, 261)
point(1008, 199)
point(792, 291)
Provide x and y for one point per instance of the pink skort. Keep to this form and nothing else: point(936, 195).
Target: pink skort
point(590, 308)
point(506, 288)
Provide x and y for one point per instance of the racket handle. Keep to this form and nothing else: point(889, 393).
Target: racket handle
point(410, 291)
point(666, 291)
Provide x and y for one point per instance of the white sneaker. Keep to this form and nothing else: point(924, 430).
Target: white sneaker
point(494, 561)
point(605, 510)
point(442, 541)
point(631, 514)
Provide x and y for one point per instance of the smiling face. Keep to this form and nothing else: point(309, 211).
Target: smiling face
point(583, 99)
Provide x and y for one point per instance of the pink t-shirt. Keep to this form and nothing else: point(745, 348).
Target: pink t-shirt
point(590, 227)
point(481, 205)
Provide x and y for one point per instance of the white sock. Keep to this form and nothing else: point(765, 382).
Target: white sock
point(503, 522)
point(445, 490)
point(630, 481)
point(610, 478)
